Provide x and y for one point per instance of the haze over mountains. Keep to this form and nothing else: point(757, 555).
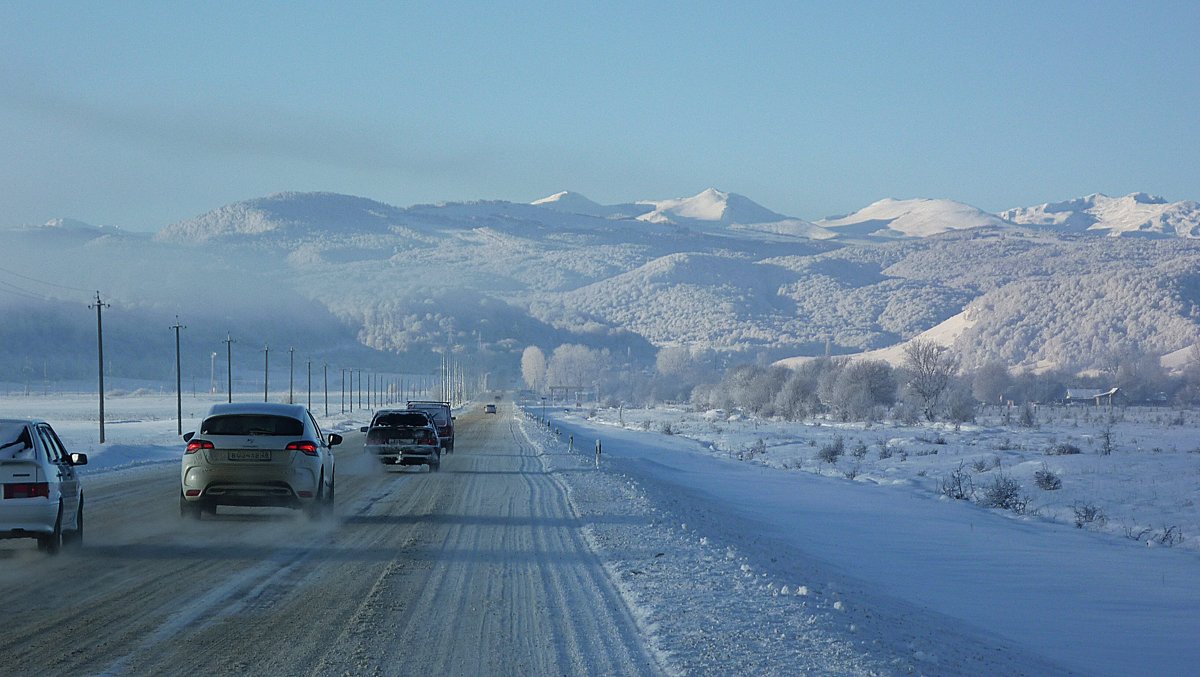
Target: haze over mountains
point(1067, 284)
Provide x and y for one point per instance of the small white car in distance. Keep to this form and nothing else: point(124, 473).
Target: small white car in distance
point(257, 454)
point(40, 493)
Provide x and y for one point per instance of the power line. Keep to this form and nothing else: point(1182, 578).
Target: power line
point(22, 292)
point(52, 284)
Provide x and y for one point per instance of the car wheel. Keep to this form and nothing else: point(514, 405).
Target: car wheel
point(316, 507)
point(52, 542)
point(435, 465)
point(188, 509)
point(332, 486)
point(75, 538)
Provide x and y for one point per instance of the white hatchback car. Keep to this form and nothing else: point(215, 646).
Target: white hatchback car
point(257, 454)
point(42, 496)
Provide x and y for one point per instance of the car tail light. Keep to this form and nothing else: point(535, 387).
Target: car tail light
point(27, 490)
point(309, 448)
point(426, 440)
point(197, 445)
point(193, 492)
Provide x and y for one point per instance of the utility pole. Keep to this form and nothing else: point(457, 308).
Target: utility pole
point(229, 365)
point(100, 305)
point(310, 385)
point(178, 377)
point(266, 369)
point(359, 389)
point(343, 391)
point(291, 375)
point(326, 365)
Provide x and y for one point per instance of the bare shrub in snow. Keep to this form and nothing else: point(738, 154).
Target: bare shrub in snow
point(859, 450)
point(666, 428)
point(757, 449)
point(1005, 493)
point(986, 464)
point(1107, 443)
point(1088, 513)
point(1046, 479)
point(831, 452)
point(1027, 419)
point(1062, 449)
point(1169, 537)
point(958, 484)
point(885, 452)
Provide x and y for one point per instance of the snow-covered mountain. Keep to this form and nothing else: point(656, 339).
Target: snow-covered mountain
point(712, 271)
point(711, 206)
point(910, 218)
point(1133, 214)
point(286, 214)
point(574, 203)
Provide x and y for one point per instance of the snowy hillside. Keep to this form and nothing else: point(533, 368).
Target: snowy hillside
point(1134, 214)
point(286, 214)
point(574, 203)
point(710, 205)
point(910, 218)
point(705, 272)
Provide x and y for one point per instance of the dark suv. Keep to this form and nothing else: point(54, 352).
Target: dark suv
point(440, 413)
point(404, 437)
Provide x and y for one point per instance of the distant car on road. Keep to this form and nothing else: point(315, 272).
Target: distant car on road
point(440, 412)
point(258, 454)
point(489, 408)
point(42, 496)
point(404, 437)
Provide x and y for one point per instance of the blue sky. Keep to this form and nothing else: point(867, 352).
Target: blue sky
point(142, 114)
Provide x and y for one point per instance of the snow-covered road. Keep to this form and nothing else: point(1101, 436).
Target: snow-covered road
point(525, 556)
point(478, 569)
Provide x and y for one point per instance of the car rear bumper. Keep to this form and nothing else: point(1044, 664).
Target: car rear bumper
point(402, 455)
point(248, 485)
point(26, 518)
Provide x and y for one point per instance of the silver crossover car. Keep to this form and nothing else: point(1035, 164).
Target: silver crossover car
point(257, 454)
point(404, 437)
point(41, 496)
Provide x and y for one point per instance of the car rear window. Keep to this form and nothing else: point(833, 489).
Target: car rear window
point(406, 420)
point(252, 424)
point(438, 413)
point(15, 442)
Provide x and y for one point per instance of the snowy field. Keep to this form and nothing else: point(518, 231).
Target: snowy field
point(740, 557)
point(759, 551)
point(1145, 489)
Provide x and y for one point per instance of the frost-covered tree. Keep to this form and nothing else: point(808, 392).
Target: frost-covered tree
point(860, 389)
point(533, 367)
point(678, 369)
point(930, 367)
point(990, 381)
point(576, 365)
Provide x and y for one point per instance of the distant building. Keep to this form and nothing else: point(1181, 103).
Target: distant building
point(1090, 395)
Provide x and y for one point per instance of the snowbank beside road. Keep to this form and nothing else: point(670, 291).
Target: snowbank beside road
point(946, 587)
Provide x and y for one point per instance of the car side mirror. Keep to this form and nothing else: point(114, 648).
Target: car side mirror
point(187, 437)
point(453, 418)
point(334, 439)
point(78, 459)
point(363, 429)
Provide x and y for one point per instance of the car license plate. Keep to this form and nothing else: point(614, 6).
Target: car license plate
point(250, 455)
